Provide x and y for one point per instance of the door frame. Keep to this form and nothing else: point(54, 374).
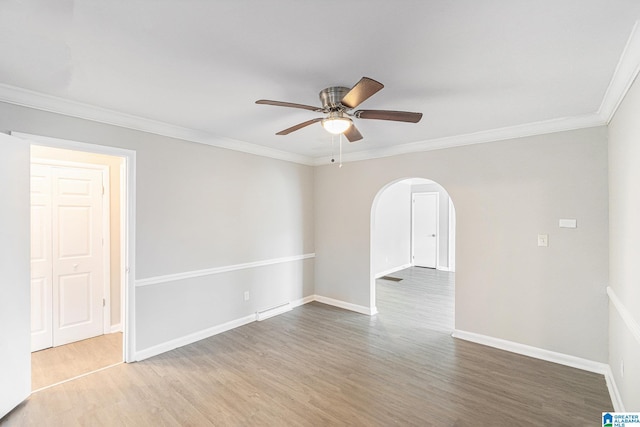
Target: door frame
point(413, 206)
point(127, 225)
point(106, 230)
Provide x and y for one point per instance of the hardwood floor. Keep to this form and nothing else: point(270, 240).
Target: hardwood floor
point(320, 365)
point(57, 364)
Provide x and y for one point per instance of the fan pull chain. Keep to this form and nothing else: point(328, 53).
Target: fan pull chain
point(333, 151)
point(340, 165)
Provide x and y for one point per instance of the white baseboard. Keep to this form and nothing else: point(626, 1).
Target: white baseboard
point(191, 338)
point(303, 301)
point(209, 332)
point(614, 393)
point(442, 268)
point(549, 356)
point(346, 305)
point(273, 311)
point(535, 352)
point(115, 328)
point(392, 270)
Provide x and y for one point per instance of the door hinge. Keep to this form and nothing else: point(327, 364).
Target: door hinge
point(103, 190)
point(104, 302)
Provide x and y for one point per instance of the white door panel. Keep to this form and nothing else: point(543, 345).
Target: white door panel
point(15, 360)
point(425, 229)
point(41, 266)
point(67, 259)
point(77, 255)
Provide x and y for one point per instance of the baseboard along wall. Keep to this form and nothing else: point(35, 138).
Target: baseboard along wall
point(549, 356)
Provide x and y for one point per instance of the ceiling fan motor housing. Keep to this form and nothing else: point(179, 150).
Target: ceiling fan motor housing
point(331, 97)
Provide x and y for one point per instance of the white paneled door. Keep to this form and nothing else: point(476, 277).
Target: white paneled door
point(67, 264)
point(15, 363)
point(424, 237)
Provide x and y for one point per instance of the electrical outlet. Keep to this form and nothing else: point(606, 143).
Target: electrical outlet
point(246, 295)
point(543, 240)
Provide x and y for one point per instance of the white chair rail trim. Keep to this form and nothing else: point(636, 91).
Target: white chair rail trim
point(625, 314)
point(217, 270)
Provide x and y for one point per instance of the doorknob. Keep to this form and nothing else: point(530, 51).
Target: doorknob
point(75, 267)
point(433, 235)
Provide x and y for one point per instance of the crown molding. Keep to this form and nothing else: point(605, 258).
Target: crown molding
point(500, 134)
point(623, 76)
point(625, 73)
point(53, 104)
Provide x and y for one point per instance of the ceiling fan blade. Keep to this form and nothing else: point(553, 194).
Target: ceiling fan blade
point(298, 126)
point(364, 89)
point(288, 104)
point(396, 116)
point(352, 133)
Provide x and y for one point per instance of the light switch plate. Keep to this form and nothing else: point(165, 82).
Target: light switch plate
point(568, 223)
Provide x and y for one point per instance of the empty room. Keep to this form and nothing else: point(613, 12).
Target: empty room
point(328, 213)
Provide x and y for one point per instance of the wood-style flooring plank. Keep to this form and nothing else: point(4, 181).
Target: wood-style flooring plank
point(52, 365)
point(321, 365)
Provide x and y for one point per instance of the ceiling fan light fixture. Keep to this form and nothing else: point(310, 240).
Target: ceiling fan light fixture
point(336, 125)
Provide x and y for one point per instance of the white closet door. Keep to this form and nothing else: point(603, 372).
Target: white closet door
point(78, 274)
point(425, 229)
point(41, 259)
point(15, 360)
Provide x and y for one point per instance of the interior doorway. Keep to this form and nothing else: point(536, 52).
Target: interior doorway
point(412, 226)
point(70, 258)
point(78, 263)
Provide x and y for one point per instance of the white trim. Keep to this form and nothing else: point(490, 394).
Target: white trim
point(393, 270)
point(191, 338)
point(40, 101)
point(273, 311)
point(535, 352)
point(214, 330)
point(549, 356)
point(302, 301)
point(115, 328)
point(347, 305)
point(127, 227)
point(492, 135)
point(451, 247)
point(442, 268)
point(614, 393)
point(217, 270)
point(626, 70)
point(625, 73)
point(625, 314)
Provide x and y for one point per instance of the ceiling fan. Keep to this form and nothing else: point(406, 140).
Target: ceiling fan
point(337, 103)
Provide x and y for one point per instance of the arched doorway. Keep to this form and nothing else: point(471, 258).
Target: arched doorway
point(413, 246)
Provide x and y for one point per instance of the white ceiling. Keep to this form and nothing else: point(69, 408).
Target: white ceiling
point(470, 66)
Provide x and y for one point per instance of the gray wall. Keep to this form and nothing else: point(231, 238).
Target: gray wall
point(505, 193)
point(200, 207)
point(391, 229)
point(624, 248)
